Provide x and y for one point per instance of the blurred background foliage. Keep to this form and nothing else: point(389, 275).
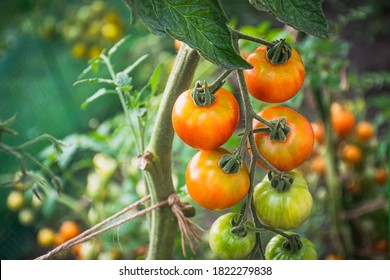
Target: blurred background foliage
point(45, 45)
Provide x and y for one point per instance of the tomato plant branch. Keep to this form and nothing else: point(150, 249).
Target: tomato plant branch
point(122, 100)
point(158, 156)
point(219, 81)
point(247, 37)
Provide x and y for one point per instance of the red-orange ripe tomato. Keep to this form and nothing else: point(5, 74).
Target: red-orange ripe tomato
point(319, 132)
point(343, 121)
point(381, 175)
point(274, 83)
point(299, 143)
point(212, 188)
point(351, 153)
point(364, 131)
point(69, 230)
point(205, 128)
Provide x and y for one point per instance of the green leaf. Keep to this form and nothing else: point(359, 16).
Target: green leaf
point(201, 24)
point(150, 89)
point(135, 64)
point(95, 80)
point(95, 96)
point(115, 48)
point(306, 16)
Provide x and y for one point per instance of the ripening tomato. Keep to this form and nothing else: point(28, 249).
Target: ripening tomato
point(381, 175)
point(318, 165)
point(212, 188)
point(177, 44)
point(227, 245)
point(45, 237)
point(285, 209)
point(332, 257)
point(298, 146)
point(15, 200)
point(364, 131)
point(206, 128)
point(69, 230)
point(343, 121)
point(351, 153)
point(274, 83)
point(319, 132)
point(276, 250)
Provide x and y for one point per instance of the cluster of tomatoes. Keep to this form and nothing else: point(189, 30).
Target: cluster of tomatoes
point(355, 148)
point(214, 186)
point(48, 237)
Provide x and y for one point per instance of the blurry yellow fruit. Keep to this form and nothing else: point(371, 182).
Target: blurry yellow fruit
point(26, 216)
point(94, 51)
point(79, 50)
point(112, 17)
point(15, 200)
point(45, 237)
point(111, 31)
point(104, 164)
point(93, 29)
point(97, 7)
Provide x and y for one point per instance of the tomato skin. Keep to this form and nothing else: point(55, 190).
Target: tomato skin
point(274, 83)
point(284, 210)
point(45, 237)
point(364, 131)
point(275, 251)
point(288, 155)
point(209, 186)
point(206, 128)
point(351, 153)
point(69, 230)
point(381, 175)
point(343, 121)
point(229, 246)
point(319, 132)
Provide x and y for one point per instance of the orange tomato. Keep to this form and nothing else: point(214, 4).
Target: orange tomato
point(343, 121)
point(318, 165)
point(364, 131)
point(381, 176)
point(319, 132)
point(69, 230)
point(351, 153)
point(274, 83)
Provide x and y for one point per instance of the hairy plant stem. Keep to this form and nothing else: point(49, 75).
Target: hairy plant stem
point(158, 156)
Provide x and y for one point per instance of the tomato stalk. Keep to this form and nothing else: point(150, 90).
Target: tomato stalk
point(158, 170)
point(218, 83)
point(239, 35)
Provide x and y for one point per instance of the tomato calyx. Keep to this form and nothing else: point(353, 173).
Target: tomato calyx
point(280, 53)
point(202, 95)
point(230, 164)
point(293, 244)
point(277, 130)
point(281, 182)
point(238, 226)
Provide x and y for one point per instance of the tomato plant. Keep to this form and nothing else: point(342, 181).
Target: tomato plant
point(274, 83)
point(279, 248)
point(208, 127)
point(227, 245)
point(211, 187)
point(284, 209)
point(299, 143)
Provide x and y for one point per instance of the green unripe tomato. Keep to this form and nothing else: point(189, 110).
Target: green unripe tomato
point(283, 209)
point(227, 245)
point(276, 250)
